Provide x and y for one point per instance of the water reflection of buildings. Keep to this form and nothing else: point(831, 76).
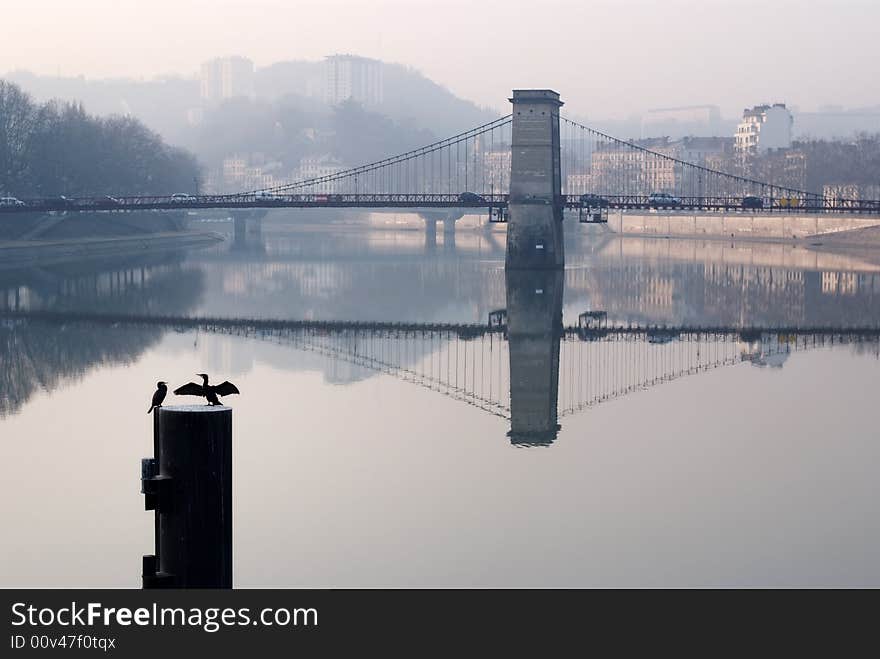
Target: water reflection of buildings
point(657, 281)
point(315, 276)
point(686, 284)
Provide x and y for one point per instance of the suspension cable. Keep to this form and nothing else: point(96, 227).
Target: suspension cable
point(386, 162)
point(631, 145)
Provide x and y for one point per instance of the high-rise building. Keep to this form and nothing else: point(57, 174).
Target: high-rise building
point(227, 77)
point(763, 128)
point(349, 77)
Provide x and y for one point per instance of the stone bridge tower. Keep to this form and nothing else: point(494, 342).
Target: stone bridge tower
point(534, 229)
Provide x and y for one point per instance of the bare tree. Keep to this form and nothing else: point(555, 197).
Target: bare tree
point(57, 148)
point(17, 113)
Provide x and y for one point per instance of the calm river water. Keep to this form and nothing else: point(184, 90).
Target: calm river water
point(458, 457)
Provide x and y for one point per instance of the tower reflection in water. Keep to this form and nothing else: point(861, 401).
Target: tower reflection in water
point(534, 330)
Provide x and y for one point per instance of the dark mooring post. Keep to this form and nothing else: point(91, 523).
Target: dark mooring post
point(188, 483)
point(535, 205)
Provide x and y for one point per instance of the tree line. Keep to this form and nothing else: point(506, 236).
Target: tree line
point(813, 164)
point(56, 148)
point(832, 162)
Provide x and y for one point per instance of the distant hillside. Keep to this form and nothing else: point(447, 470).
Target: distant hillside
point(409, 97)
point(163, 104)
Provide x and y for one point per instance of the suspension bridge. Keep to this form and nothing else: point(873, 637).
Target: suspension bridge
point(529, 157)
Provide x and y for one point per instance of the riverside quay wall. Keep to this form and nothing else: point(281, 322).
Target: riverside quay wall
point(743, 225)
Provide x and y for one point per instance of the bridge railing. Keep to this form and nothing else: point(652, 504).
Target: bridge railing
point(421, 200)
point(811, 204)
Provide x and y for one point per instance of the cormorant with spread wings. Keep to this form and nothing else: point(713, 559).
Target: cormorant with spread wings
point(209, 391)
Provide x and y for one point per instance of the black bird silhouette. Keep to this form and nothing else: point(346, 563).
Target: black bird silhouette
point(159, 396)
point(207, 390)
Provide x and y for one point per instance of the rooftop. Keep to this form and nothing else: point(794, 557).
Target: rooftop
point(758, 110)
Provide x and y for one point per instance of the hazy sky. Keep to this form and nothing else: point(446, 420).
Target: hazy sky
point(606, 58)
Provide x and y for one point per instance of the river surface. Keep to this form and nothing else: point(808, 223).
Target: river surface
point(458, 456)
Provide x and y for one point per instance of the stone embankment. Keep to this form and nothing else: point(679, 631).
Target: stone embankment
point(17, 254)
point(739, 226)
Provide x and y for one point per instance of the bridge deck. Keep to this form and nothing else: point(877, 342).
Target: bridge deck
point(412, 201)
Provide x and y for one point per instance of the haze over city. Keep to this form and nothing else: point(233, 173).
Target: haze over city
point(510, 295)
point(609, 59)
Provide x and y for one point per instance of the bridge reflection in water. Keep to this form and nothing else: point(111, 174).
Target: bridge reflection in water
point(523, 365)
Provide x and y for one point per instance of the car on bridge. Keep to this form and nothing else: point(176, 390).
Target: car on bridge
point(788, 202)
point(590, 200)
point(659, 336)
point(663, 200)
point(7, 202)
point(751, 202)
point(471, 198)
point(182, 198)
